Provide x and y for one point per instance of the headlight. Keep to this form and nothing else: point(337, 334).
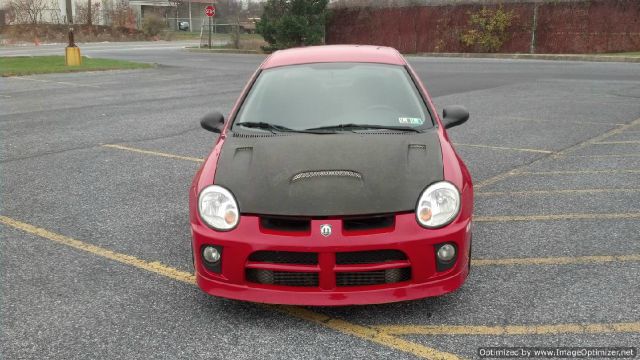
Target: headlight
point(439, 204)
point(218, 208)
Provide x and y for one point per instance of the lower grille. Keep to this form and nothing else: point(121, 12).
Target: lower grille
point(369, 257)
point(302, 268)
point(377, 277)
point(283, 278)
point(285, 257)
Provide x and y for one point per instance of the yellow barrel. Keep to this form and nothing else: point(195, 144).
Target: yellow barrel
point(72, 56)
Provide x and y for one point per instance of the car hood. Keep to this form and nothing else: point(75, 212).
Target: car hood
point(328, 175)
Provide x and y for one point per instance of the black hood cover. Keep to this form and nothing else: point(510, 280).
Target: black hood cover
point(329, 175)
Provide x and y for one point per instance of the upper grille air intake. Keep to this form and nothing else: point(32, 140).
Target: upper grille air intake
point(323, 173)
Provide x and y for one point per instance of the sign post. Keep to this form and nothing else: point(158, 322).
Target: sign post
point(210, 11)
point(71, 52)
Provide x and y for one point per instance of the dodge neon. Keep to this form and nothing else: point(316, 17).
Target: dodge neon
point(332, 182)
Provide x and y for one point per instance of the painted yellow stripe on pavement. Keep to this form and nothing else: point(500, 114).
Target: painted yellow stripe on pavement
point(578, 172)
point(559, 191)
point(556, 329)
point(493, 147)
point(561, 260)
point(621, 142)
point(155, 266)
point(342, 326)
point(53, 82)
point(579, 122)
point(155, 153)
point(508, 218)
point(367, 333)
point(563, 153)
point(597, 156)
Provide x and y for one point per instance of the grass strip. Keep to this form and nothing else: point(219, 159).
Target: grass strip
point(29, 65)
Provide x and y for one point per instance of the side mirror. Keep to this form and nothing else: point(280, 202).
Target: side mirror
point(454, 115)
point(213, 122)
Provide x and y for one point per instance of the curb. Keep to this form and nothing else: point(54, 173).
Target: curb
point(222, 51)
point(559, 57)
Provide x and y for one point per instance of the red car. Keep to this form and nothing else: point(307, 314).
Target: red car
point(332, 182)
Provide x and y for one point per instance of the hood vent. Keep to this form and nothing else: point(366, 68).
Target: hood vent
point(326, 173)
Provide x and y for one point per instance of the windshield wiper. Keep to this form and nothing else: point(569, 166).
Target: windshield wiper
point(274, 127)
point(365, 127)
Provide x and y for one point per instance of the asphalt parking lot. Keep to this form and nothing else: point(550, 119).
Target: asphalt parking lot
point(95, 252)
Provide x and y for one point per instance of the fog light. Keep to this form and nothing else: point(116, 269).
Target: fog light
point(446, 252)
point(211, 254)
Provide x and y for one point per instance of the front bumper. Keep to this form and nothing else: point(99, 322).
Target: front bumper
point(417, 243)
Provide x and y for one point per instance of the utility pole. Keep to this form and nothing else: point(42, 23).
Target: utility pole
point(70, 21)
point(534, 27)
point(72, 52)
point(89, 20)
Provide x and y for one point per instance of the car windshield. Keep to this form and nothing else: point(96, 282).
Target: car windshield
point(332, 95)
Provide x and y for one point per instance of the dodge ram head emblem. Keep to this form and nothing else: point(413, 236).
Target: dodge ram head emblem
point(325, 230)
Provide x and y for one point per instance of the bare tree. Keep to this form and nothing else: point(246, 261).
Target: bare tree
point(86, 14)
point(55, 12)
point(121, 14)
point(234, 12)
point(177, 3)
point(28, 11)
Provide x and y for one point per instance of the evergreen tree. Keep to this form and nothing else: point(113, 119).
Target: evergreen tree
point(291, 23)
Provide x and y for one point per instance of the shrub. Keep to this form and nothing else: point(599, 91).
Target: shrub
point(120, 14)
point(291, 23)
point(152, 25)
point(489, 29)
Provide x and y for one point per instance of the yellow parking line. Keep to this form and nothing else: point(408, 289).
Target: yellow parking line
point(155, 266)
point(517, 118)
point(342, 326)
point(597, 156)
point(578, 172)
point(561, 260)
point(606, 135)
point(497, 178)
point(563, 153)
point(54, 82)
point(155, 153)
point(505, 148)
point(508, 218)
point(556, 329)
point(559, 172)
point(517, 172)
point(617, 142)
point(368, 333)
point(547, 192)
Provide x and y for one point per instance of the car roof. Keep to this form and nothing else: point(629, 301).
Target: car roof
point(334, 53)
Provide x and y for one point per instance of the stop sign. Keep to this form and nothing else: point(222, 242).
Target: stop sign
point(210, 10)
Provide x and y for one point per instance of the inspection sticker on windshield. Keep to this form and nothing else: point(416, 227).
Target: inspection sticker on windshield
point(410, 121)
